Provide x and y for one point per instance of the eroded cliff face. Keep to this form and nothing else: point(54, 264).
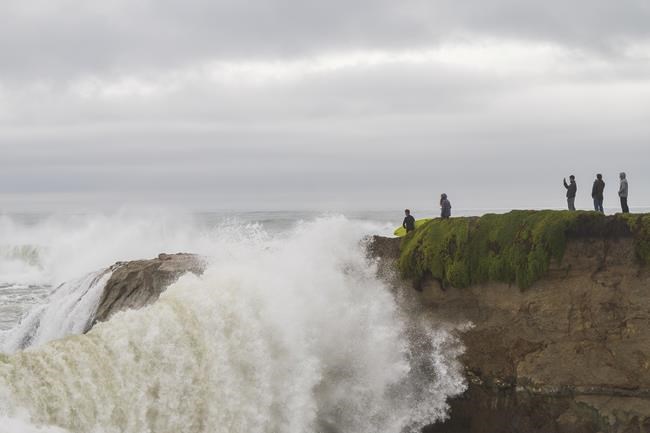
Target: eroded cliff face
point(569, 354)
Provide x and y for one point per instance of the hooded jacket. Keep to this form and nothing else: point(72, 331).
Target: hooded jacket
point(445, 208)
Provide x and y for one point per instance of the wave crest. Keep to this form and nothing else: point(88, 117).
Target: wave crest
point(286, 334)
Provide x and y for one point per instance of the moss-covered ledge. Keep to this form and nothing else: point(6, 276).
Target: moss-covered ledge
point(516, 247)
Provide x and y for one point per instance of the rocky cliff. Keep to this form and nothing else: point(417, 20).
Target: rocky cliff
point(568, 353)
point(137, 283)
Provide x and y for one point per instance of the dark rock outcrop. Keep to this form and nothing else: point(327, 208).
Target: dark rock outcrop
point(569, 354)
point(138, 283)
point(384, 248)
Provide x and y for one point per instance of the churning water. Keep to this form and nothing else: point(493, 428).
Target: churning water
point(287, 331)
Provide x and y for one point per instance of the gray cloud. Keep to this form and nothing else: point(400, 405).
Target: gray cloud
point(321, 104)
point(44, 39)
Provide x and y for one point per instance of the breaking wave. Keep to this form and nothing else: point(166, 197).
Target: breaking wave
point(69, 310)
point(281, 334)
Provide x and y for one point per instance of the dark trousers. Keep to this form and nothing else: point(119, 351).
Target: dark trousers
point(624, 205)
point(571, 201)
point(598, 205)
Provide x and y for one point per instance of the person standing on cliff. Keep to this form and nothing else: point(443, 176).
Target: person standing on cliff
point(409, 221)
point(622, 193)
point(445, 207)
point(597, 193)
point(572, 189)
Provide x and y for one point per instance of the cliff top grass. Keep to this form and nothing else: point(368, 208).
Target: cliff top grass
point(516, 247)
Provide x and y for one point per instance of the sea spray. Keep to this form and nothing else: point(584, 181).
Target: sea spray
point(281, 334)
point(20, 425)
point(58, 248)
point(39, 254)
point(69, 310)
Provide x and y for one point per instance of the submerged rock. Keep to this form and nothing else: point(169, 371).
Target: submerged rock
point(138, 283)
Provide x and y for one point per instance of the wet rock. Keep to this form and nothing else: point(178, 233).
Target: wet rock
point(138, 283)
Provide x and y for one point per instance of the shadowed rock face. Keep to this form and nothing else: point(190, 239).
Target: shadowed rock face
point(569, 354)
point(138, 283)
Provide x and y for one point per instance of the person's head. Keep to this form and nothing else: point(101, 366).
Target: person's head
point(443, 196)
point(407, 211)
point(572, 178)
point(622, 175)
point(599, 176)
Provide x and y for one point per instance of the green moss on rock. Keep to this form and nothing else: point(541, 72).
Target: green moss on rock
point(516, 247)
point(639, 225)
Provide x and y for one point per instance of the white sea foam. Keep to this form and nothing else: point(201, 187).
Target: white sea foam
point(59, 248)
point(38, 255)
point(69, 310)
point(282, 334)
point(20, 425)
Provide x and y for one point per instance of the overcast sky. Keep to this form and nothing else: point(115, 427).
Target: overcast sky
point(294, 104)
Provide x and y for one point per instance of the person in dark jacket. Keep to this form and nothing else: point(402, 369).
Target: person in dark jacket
point(622, 193)
point(445, 207)
point(597, 193)
point(409, 221)
point(571, 190)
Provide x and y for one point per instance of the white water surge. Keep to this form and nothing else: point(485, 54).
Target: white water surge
point(284, 334)
point(69, 310)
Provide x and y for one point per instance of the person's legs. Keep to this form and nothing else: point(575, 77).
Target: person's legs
point(624, 206)
point(571, 201)
point(596, 204)
point(599, 205)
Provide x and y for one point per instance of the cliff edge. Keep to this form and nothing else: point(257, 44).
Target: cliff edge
point(566, 351)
